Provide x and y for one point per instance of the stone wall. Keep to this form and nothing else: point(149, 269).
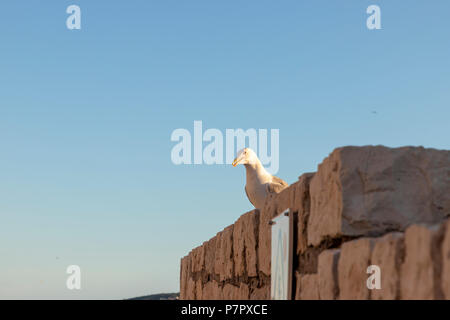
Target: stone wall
point(364, 206)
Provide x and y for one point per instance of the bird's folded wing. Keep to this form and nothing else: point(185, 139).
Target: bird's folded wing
point(277, 185)
point(249, 197)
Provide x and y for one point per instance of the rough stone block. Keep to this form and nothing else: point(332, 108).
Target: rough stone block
point(228, 291)
point(183, 277)
point(388, 254)
point(212, 291)
point(198, 290)
point(300, 196)
point(420, 274)
point(352, 269)
point(198, 259)
point(292, 196)
point(301, 205)
point(245, 238)
point(218, 260)
point(446, 262)
point(264, 249)
point(307, 287)
point(262, 293)
point(224, 254)
point(243, 293)
point(190, 289)
point(232, 292)
point(328, 274)
point(210, 256)
point(373, 189)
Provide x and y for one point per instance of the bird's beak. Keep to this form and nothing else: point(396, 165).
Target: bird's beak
point(236, 161)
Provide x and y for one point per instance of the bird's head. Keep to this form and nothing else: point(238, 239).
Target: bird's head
point(245, 156)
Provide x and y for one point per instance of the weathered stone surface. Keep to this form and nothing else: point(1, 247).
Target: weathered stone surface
point(388, 255)
point(352, 269)
point(245, 238)
point(198, 290)
point(374, 189)
point(262, 293)
point(292, 193)
point(183, 277)
point(328, 274)
point(420, 271)
point(198, 259)
point(297, 278)
point(301, 192)
point(264, 249)
point(224, 254)
point(301, 205)
point(231, 292)
point(446, 262)
point(212, 291)
point(190, 289)
point(307, 287)
point(210, 256)
point(244, 292)
point(218, 260)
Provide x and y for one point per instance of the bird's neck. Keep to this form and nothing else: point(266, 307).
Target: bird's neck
point(256, 171)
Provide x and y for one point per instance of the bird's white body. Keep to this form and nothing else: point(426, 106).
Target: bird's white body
point(256, 184)
point(259, 182)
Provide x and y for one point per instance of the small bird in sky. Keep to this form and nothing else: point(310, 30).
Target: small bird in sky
point(259, 183)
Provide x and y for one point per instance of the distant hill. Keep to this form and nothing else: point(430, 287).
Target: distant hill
point(159, 296)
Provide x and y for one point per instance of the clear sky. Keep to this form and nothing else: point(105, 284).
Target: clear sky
point(86, 176)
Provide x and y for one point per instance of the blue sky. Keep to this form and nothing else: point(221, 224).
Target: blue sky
point(86, 117)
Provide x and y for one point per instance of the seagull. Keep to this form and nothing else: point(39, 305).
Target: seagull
point(259, 183)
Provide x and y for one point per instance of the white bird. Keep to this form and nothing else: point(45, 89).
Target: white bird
point(259, 183)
